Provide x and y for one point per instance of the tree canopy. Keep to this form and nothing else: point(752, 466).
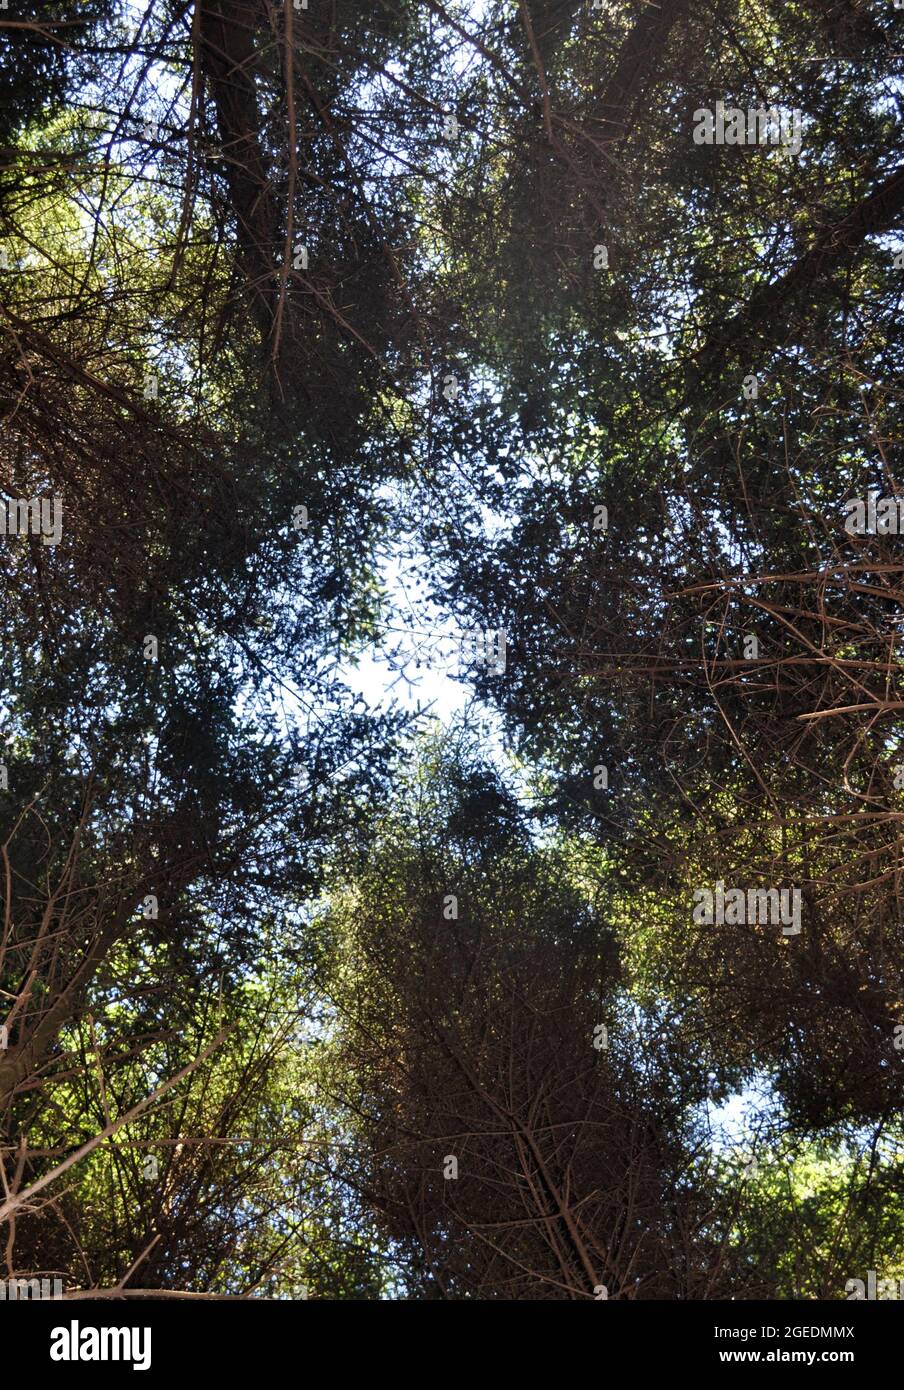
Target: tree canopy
point(558, 335)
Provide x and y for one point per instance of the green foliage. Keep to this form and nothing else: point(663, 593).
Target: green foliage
point(245, 250)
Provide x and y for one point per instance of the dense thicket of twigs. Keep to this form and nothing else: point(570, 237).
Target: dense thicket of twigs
point(295, 298)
